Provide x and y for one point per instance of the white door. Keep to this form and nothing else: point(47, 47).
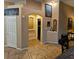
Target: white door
point(11, 33)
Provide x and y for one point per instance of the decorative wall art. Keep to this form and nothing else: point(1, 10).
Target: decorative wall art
point(54, 25)
point(31, 23)
point(70, 24)
point(48, 10)
point(48, 23)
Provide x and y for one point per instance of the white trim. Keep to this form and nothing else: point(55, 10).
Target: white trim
point(50, 42)
point(9, 46)
point(21, 49)
point(5, 46)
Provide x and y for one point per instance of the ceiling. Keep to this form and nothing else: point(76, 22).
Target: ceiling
point(15, 1)
point(68, 2)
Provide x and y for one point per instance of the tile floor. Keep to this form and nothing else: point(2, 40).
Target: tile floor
point(36, 50)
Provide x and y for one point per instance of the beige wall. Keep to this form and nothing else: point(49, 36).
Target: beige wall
point(33, 7)
point(53, 36)
point(6, 3)
point(65, 11)
point(68, 10)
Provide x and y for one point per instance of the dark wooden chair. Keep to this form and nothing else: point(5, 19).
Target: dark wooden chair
point(70, 38)
point(64, 42)
point(65, 39)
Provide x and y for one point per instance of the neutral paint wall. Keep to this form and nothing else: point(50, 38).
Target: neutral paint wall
point(24, 37)
point(53, 36)
point(33, 9)
point(34, 5)
point(40, 9)
point(27, 10)
point(6, 3)
point(65, 11)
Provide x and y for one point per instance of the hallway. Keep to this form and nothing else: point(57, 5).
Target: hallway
point(36, 50)
point(33, 28)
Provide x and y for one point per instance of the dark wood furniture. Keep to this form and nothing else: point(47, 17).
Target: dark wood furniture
point(65, 40)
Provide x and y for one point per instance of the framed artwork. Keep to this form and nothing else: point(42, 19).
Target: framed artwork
point(54, 25)
point(48, 10)
point(70, 24)
point(48, 24)
point(31, 23)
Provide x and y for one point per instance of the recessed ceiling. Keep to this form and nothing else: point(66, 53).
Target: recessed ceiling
point(68, 2)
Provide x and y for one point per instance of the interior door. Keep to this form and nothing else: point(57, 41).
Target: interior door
point(39, 29)
point(11, 34)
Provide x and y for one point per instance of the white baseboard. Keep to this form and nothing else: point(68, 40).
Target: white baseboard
point(51, 42)
point(21, 49)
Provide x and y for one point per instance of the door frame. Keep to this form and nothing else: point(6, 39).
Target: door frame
point(37, 29)
point(37, 26)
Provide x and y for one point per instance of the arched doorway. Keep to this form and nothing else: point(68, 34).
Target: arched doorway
point(34, 29)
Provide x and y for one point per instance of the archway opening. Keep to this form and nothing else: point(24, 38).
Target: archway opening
point(34, 29)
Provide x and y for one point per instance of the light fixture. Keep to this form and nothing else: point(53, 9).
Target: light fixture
point(52, 2)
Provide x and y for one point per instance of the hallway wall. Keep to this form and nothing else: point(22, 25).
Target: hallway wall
point(6, 3)
point(65, 11)
point(34, 8)
point(40, 9)
point(34, 5)
point(37, 9)
point(52, 36)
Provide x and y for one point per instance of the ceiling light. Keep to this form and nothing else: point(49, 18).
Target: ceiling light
point(53, 3)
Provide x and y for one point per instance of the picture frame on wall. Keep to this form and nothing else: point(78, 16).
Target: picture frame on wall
point(55, 25)
point(31, 23)
point(48, 10)
point(70, 26)
point(48, 24)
